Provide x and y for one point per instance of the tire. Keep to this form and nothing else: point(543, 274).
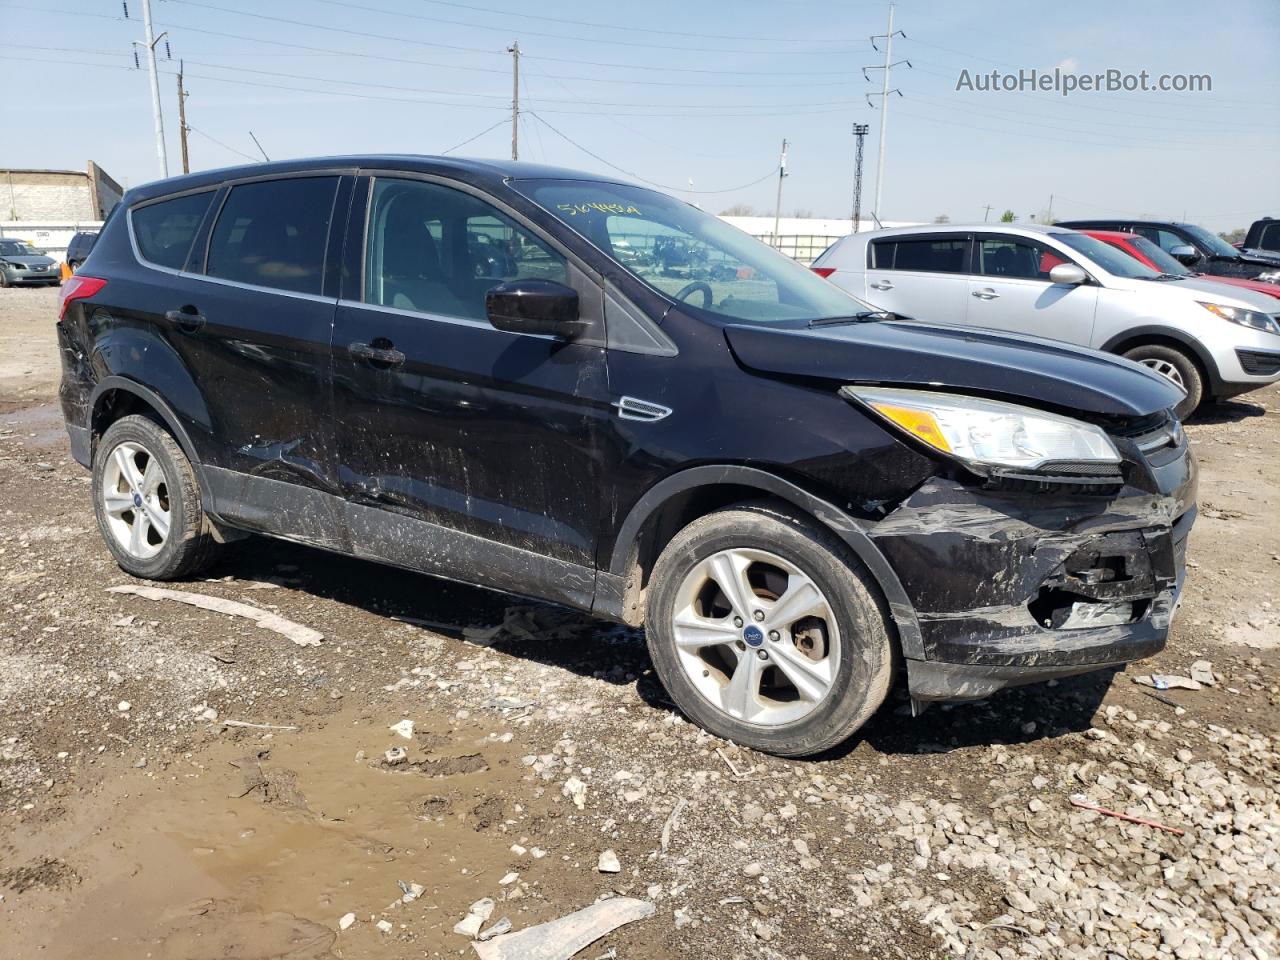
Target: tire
point(1178, 367)
point(159, 469)
point(843, 651)
point(4, 280)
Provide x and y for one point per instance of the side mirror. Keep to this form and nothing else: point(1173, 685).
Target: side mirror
point(1185, 254)
point(1068, 274)
point(535, 306)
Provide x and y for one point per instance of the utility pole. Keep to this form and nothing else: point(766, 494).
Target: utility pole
point(782, 175)
point(986, 212)
point(150, 43)
point(1050, 208)
point(514, 50)
point(888, 66)
point(860, 132)
point(182, 120)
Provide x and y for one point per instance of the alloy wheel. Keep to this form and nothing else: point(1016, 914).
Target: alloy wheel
point(1165, 369)
point(756, 636)
point(135, 500)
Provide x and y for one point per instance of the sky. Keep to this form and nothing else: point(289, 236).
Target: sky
point(696, 98)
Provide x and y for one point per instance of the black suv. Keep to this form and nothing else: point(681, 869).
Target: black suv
point(449, 366)
point(1263, 238)
point(1193, 246)
point(78, 249)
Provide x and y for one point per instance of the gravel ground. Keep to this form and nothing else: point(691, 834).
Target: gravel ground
point(135, 821)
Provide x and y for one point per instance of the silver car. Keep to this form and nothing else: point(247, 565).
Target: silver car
point(1212, 340)
point(20, 263)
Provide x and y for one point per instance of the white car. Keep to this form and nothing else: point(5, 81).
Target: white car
point(1213, 341)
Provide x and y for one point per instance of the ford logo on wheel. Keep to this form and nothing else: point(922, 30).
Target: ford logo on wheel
point(753, 636)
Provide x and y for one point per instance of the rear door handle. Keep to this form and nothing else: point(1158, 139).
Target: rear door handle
point(987, 294)
point(881, 285)
point(188, 319)
point(382, 356)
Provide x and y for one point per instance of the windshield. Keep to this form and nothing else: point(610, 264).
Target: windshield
point(1164, 262)
point(689, 255)
point(1211, 241)
point(15, 248)
point(1106, 256)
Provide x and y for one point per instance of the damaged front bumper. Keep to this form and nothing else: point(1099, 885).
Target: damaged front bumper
point(1014, 587)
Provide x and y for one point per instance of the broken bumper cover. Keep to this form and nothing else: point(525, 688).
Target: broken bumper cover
point(1018, 587)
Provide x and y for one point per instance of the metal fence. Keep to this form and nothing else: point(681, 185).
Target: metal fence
point(802, 247)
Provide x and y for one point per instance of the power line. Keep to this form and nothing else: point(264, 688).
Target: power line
point(612, 26)
point(459, 146)
point(636, 176)
point(224, 146)
point(363, 8)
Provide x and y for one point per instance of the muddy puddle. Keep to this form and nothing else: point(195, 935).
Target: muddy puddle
point(257, 846)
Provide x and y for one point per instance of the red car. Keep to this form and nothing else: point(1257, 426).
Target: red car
point(1144, 251)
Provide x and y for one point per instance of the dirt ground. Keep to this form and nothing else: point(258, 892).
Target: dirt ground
point(138, 819)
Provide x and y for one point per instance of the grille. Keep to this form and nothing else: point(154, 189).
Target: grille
point(1259, 363)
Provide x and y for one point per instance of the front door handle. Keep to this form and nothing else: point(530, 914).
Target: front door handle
point(881, 285)
point(986, 294)
point(188, 319)
point(384, 356)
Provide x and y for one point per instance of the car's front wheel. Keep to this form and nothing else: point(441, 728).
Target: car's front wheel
point(1174, 365)
point(766, 630)
point(147, 500)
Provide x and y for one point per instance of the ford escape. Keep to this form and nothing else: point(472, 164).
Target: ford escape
point(588, 392)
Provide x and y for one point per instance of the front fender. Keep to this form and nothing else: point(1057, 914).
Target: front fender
point(844, 526)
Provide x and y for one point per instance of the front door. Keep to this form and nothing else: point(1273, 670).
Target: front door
point(1011, 290)
point(463, 450)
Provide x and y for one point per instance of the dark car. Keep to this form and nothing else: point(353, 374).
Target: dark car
point(78, 249)
point(1263, 238)
point(21, 263)
point(1194, 246)
point(793, 493)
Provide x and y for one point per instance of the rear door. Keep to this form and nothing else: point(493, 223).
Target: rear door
point(464, 450)
point(920, 276)
point(252, 321)
point(1012, 290)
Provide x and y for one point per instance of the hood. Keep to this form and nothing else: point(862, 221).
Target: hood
point(36, 260)
point(1256, 256)
point(1028, 369)
point(1254, 294)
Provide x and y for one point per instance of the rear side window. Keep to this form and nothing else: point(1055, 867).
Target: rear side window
point(273, 234)
point(922, 254)
point(164, 230)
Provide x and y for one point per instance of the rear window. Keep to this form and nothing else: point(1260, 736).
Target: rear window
point(273, 234)
point(924, 255)
point(164, 230)
point(1269, 236)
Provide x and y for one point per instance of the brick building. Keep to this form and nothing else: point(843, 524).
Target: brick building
point(57, 195)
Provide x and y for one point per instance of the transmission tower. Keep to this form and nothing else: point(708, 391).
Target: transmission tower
point(860, 133)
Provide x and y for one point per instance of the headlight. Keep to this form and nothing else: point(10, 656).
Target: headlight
point(1271, 276)
point(1254, 319)
point(988, 432)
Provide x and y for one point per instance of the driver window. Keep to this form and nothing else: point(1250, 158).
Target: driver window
point(433, 249)
point(1015, 258)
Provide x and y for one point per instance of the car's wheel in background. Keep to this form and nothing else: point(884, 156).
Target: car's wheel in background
point(767, 630)
point(1174, 365)
point(4, 280)
point(147, 500)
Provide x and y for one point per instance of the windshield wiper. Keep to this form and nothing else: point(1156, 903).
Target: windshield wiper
point(864, 316)
point(1168, 276)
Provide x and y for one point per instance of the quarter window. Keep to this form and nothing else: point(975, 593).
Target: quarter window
point(273, 234)
point(923, 255)
point(164, 230)
point(438, 250)
point(1016, 258)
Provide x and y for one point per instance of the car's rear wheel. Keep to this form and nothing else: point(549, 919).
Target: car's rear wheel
point(767, 631)
point(147, 500)
point(1174, 365)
